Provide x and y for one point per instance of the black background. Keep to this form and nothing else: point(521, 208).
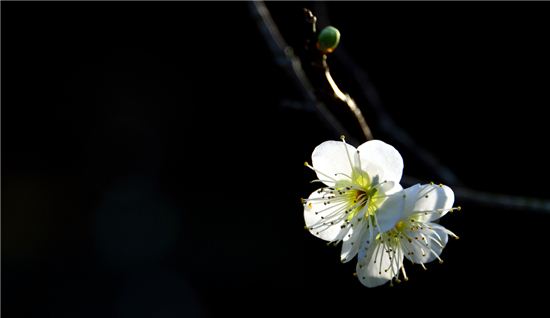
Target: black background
point(151, 169)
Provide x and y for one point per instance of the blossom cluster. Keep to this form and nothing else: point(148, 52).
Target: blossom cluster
point(363, 206)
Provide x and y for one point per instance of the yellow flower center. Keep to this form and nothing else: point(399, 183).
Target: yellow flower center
point(400, 226)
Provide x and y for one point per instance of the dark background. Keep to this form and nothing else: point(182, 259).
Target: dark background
point(150, 167)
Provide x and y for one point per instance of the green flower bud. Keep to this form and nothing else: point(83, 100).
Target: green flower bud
point(328, 39)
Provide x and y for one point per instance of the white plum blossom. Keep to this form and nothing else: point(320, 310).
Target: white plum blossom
point(414, 236)
point(359, 197)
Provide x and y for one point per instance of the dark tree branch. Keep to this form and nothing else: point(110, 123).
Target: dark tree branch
point(388, 125)
point(502, 200)
point(287, 60)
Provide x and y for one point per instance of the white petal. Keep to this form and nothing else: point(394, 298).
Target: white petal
point(389, 187)
point(427, 249)
point(352, 242)
point(428, 201)
point(316, 213)
point(367, 239)
point(411, 197)
point(379, 158)
point(390, 211)
point(376, 268)
point(331, 161)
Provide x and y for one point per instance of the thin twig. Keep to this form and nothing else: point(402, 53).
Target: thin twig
point(287, 60)
point(502, 200)
point(317, 69)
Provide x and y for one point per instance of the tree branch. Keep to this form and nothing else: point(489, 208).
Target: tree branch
point(287, 60)
point(325, 88)
point(388, 125)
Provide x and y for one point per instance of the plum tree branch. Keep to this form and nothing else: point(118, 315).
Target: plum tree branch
point(290, 63)
point(325, 88)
